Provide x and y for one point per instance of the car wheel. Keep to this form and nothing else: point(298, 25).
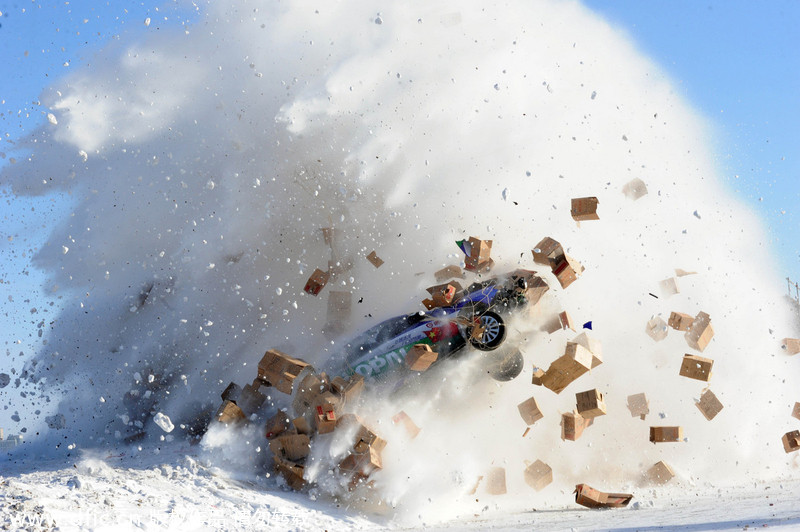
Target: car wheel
point(494, 331)
point(508, 368)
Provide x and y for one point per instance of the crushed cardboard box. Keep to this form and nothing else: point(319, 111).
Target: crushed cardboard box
point(316, 282)
point(591, 498)
point(420, 357)
point(538, 475)
point(449, 272)
point(496, 481)
point(280, 370)
point(479, 259)
point(590, 404)
point(250, 399)
point(567, 271)
point(229, 413)
point(292, 447)
point(666, 434)
point(680, 321)
point(535, 285)
point(659, 473)
point(593, 345)
point(639, 405)
point(575, 361)
point(635, 188)
point(411, 428)
point(546, 251)
point(584, 209)
point(796, 411)
point(709, 405)
point(277, 424)
point(538, 375)
point(669, 287)
point(791, 441)
point(443, 295)
point(290, 471)
point(700, 333)
point(656, 329)
point(573, 425)
point(375, 259)
point(791, 345)
point(696, 367)
point(530, 411)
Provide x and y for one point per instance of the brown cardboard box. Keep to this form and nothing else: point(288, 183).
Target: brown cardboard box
point(567, 270)
point(709, 405)
point(700, 333)
point(792, 345)
point(364, 463)
point(317, 282)
point(536, 285)
point(576, 361)
point(449, 272)
point(680, 321)
point(361, 434)
point(291, 472)
point(280, 370)
point(538, 475)
point(696, 367)
point(592, 498)
point(529, 411)
point(666, 434)
point(302, 426)
point(590, 404)
point(791, 441)
point(411, 428)
point(656, 329)
point(375, 259)
point(566, 321)
point(250, 400)
point(584, 209)
point(445, 294)
point(496, 481)
point(420, 357)
point(292, 447)
point(796, 411)
point(229, 413)
point(573, 425)
point(593, 345)
point(546, 251)
point(308, 389)
point(277, 424)
point(660, 473)
point(669, 287)
point(479, 259)
point(538, 376)
point(639, 405)
point(635, 188)
point(232, 392)
point(349, 389)
point(325, 418)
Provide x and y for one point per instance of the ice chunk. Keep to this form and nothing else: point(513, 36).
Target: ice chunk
point(164, 422)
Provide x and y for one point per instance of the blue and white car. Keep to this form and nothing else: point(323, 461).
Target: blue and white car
point(475, 318)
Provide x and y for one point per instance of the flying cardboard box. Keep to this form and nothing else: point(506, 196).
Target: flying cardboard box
point(659, 473)
point(496, 481)
point(635, 188)
point(420, 357)
point(538, 376)
point(277, 424)
point(362, 463)
point(317, 282)
point(709, 405)
point(250, 400)
point(547, 250)
point(590, 404)
point(700, 333)
point(362, 435)
point(443, 295)
point(573, 425)
point(584, 209)
point(536, 286)
point(538, 475)
point(792, 345)
point(229, 413)
point(308, 389)
point(791, 441)
point(666, 434)
point(302, 426)
point(592, 498)
point(280, 370)
point(449, 272)
point(411, 428)
point(292, 447)
point(349, 389)
point(479, 259)
point(696, 367)
point(656, 329)
point(232, 392)
point(593, 345)
point(567, 270)
point(638, 405)
point(576, 361)
point(325, 417)
point(529, 411)
point(796, 411)
point(680, 321)
point(290, 471)
point(669, 287)
point(375, 259)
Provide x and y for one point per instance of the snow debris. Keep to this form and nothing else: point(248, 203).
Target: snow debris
point(57, 421)
point(164, 422)
point(52, 119)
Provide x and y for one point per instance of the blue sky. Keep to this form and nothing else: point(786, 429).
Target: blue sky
point(735, 61)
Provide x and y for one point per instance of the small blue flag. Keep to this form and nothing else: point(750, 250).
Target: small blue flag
point(588, 325)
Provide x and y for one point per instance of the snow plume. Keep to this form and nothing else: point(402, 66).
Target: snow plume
point(201, 166)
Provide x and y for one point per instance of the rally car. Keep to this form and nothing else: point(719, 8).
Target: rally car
point(473, 318)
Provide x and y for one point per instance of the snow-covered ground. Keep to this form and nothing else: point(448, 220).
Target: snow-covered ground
point(177, 489)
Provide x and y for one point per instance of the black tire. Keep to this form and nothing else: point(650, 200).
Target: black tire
point(494, 331)
point(508, 368)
